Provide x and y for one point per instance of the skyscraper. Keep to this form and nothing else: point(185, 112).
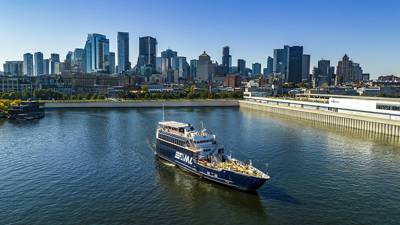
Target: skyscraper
point(295, 64)
point(204, 68)
point(13, 68)
point(123, 52)
point(54, 61)
point(278, 62)
point(46, 66)
point(68, 62)
point(270, 65)
point(324, 73)
point(193, 68)
point(286, 59)
point(147, 52)
point(158, 64)
point(28, 64)
point(112, 63)
point(167, 57)
point(241, 64)
point(97, 52)
point(357, 72)
point(306, 67)
point(180, 64)
point(344, 71)
point(38, 63)
point(256, 69)
point(323, 67)
point(78, 60)
point(226, 60)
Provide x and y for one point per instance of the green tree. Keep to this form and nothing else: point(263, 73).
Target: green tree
point(3, 107)
point(205, 93)
point(191, 95)
point(64, 97)
point(87, 96)
point(192, 88)
point(26, 94)
point(72, 97)
point(100, 97)
point(94, 96)
point(80, 97)
point(12, 95)
point(145, 88)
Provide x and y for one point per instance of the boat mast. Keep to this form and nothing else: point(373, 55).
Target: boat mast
point(163, 112)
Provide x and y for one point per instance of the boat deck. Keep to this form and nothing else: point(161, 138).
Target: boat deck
point(231, 166)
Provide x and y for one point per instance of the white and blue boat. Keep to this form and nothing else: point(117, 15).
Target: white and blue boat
point(197, 151)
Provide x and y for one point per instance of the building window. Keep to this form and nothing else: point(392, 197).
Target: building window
point(388, 107)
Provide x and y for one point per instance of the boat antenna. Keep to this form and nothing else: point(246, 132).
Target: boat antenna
point(163, 112)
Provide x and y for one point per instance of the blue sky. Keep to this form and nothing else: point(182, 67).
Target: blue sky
point(368, 31)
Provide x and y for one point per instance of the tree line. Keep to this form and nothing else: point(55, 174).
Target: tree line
point(188, 93)
point(46, 94)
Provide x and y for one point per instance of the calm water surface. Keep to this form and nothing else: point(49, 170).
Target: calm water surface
point(98, 167)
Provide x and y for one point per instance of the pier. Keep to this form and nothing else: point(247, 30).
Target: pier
point(300, 110)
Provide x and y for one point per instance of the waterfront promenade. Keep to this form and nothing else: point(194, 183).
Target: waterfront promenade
point(360, 122)
point(143, 104)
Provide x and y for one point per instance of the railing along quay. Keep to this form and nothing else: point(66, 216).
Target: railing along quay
point(313, 112)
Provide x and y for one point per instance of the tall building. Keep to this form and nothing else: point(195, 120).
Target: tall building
point(167, 64)
point(295, 64)
point(278, 61)
point(241, 64)
point(305, 67)
point(13, 68)
point(46, 66)
point(111, 69)
point(286, 59)
point(324, 67)
point(78, 60)
point(38, 63)
point(344, 71)
point(147, 52)
point(57, 67)
point(123, 52)
point(323, 74)
point(226, 60)
point(256, 69)
point(204, 68)
point(68, 62)
point(158, 64)
point(28, 64)
point(270, 65)
point(54, 63)
point(357, 72)
point(193, 68)
point(97, 52)
point(180, 64)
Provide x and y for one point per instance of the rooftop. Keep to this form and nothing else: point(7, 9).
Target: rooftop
point(173, 124)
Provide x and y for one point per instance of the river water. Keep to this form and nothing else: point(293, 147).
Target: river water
point(97, 166)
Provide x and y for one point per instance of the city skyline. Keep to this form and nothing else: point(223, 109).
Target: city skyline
point(359, 35)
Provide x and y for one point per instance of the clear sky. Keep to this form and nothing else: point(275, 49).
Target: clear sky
point(367, 30)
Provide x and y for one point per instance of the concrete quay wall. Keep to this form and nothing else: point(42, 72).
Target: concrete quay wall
point(142, 104)
point(371, 124)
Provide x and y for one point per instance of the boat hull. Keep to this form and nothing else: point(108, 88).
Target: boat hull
point(225, 177)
